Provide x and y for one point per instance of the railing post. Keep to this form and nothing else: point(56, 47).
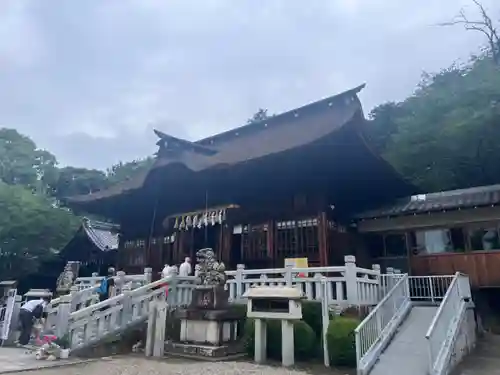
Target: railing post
point(173, 289)
point(289, 275)
point(119, 283)
point(148, 275)
point(431, 289)
point(464, 286)
point(325, 317)
point(73, 298)
point(380, 281)
point(351, 279)
point(63, 313)
point(239, 281)
point(127, 305)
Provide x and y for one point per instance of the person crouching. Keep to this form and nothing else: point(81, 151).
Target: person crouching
point(30, 311)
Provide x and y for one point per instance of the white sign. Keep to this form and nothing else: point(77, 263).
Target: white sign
point(6, 311)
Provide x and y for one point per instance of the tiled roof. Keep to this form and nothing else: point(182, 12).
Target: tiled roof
point(442, 201)
point(103, 235)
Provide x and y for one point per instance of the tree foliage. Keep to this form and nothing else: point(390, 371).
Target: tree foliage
point(32, 227)
point(446, 134)
point(259, 116)
point(22, 163)
point(31, 230)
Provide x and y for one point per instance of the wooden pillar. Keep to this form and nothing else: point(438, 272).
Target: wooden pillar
point(323, 239)
point(226, 237)
point(270, 242)
point(148, 252)
point(177, 248)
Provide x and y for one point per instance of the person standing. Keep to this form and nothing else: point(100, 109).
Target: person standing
point(185, 268)
point(30, 311)
point(106, 284)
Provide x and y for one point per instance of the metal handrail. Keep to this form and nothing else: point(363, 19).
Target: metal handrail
point(449, 311)
point(439, 312)
point(376, 317)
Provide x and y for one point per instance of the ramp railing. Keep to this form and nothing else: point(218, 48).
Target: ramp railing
point(446, 323)
point(377, 329)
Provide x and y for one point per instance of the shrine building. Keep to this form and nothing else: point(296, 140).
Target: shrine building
point(284, 187)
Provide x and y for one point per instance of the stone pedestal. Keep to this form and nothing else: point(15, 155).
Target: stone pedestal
point(209, 329)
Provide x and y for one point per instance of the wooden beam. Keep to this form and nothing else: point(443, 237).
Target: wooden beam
point(434, 219)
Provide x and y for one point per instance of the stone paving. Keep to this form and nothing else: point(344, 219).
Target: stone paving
point(133, 365)
point(16, 359)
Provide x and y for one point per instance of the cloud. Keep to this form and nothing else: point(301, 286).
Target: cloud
point(89, 79)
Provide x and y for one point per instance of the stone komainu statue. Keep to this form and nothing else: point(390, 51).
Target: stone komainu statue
point(65, 279)
point(208, 269)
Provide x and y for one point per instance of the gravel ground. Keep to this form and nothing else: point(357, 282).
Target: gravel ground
point(142, 366)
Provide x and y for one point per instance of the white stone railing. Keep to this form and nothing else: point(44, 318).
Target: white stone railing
point(90, 324)
point(346, 285)
point(121, 279)
point(83, 293)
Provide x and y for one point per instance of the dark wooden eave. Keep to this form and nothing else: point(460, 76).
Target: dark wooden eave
point(482, 196)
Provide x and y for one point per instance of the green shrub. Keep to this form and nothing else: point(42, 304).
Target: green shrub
point(304, 339)
point(341, 341)
point(312, 315)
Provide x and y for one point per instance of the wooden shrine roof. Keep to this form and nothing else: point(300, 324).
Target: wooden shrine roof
point(482, 196)
point(276, 134)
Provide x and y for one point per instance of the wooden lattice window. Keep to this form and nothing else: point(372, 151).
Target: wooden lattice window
point(297, 238)
point(254, 242)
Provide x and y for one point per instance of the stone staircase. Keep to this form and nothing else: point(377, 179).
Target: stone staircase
point(103, 320)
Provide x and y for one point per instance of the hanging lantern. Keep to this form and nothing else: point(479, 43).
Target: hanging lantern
point(195, 221)
point(188, 221)
point(219, 217)
point(205, 219)
point(182, 225)
point(176, 225)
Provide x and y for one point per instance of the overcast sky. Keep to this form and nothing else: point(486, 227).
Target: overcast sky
point(89, 79)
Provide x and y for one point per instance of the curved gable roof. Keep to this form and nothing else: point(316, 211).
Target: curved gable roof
point(276, 134)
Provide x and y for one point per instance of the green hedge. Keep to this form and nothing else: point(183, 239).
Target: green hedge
point(304, 339)
point(312, 315)
point(341, 341)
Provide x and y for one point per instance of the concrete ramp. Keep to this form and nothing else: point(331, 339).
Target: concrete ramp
point(408, 352)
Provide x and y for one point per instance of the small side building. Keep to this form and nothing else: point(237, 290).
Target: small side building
point(438, 233)
point(94, 246)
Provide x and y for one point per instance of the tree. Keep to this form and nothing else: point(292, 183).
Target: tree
point(31, 230)
point(22, 163)
point(78, 181)
point(125, 171)
point(259, 116)
point(484, 25)
point(446, 134)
